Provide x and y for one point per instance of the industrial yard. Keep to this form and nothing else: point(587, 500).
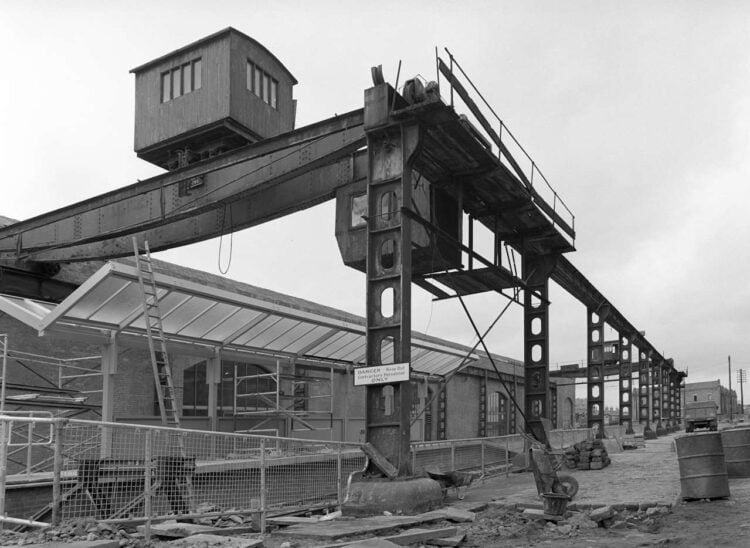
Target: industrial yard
point(466, 306)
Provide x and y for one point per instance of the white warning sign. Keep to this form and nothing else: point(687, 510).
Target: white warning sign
point(381, 374)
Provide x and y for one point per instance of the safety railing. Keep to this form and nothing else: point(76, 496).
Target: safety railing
point(133, 473)
point(485, 455)
point(507, 146)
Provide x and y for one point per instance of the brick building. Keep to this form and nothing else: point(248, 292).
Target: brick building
point(712, 391)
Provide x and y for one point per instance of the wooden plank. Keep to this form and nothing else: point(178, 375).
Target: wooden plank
point(377, 458)
point(412, 536)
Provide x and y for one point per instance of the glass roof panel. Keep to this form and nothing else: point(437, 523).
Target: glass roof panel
point(97, 296)
point(319, 349)
point(290, 338)
point(354, 353)
point(232, 325)
point(262, 340)
point(330, 349)
point(354, 343)
point(207, 321)
point(246, 339)
point(309, 338)
point(169, 303)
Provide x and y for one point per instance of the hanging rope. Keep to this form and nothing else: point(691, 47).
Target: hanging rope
point(221, 240)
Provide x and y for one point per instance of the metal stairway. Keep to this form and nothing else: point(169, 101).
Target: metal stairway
point(157, 346)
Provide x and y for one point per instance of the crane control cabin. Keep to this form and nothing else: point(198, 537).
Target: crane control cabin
point(211, 96)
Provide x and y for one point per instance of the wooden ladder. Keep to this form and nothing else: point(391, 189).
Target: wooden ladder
point(156, 342)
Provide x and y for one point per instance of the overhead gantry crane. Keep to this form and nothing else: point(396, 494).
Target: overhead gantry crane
point(406, 169)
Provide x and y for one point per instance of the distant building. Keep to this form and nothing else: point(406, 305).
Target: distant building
point(712, 391)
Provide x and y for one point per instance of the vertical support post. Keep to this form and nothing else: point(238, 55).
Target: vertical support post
point(213, 378)
point(57, 472)
point(656, 396)
point(665, 405)
point(644, 393)
point(148, 455)
point(595, 369)
point(339, 477)
point(626, 389)
point(109, 369)
point(263, 486)
point(553, 405)
point(536, 270)
point(391, 147)
point(5, 427)
point(483, 405)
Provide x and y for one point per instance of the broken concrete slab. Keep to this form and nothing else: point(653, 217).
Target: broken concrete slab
point(203, 540)
point(78, 544)
point(373, 543)
point(450, 513)
point(174, 529)
point(600, 514)
point(411, 536)
point(455, 540)
point(533, 513)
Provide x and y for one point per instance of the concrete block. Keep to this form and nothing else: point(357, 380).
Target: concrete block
point(600, 514)
point(204, 540)
point(408, 496)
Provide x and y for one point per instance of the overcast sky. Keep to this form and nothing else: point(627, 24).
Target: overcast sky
point(637, 112)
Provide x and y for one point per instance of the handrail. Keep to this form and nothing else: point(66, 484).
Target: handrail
point(503, 151)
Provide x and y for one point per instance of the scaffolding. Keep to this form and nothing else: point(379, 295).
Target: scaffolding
point(291, 396)
point(53, 391)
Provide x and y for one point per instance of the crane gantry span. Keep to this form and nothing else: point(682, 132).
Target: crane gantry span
point(382, 151)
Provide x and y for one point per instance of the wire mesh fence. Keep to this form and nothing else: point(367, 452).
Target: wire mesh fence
point(119, 472)
point(130, 473)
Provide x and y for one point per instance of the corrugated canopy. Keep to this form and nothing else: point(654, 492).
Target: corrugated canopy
point(205, 311)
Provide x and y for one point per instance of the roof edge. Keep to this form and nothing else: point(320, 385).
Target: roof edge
point(209, 38)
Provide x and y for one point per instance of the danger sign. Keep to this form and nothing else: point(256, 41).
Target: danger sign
point(381, 374)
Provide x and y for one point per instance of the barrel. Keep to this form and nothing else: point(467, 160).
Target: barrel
point(703, 472)
point(736, 442)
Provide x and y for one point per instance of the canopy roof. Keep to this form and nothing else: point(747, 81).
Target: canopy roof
point(205, 312)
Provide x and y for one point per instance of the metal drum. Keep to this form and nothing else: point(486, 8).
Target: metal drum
point(703, 472)
point(736, 442)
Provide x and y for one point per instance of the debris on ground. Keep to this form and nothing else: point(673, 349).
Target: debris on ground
point(587, 455)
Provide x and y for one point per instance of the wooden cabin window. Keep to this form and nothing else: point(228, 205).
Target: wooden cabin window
point(181, 80)
point(166, 86)
point(197, 74)
point(187, 78)
point(262, 84)
point(176, 83)
point(274, 92)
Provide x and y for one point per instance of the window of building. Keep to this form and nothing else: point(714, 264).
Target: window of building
point(497, 414)
point(256, 389)
point(710, 396)
point(262, 84)
point(181, 80)
point(695, 397)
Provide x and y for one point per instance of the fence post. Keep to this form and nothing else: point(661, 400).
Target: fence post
point(414, 459)
point(263, 485)
point(57, 472)
point(481, 447)
point(3, 463)
point(507, 456)
point(339, 498)
point(147, 482)
point(29, 448)
point(453, 455)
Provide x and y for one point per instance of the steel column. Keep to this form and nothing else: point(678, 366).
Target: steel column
point(390, 150)
point(595, 370)
point(626, 387)
point(644, 392)
point(536, 343)
point(656, 397)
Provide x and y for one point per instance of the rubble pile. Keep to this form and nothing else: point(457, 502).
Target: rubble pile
point(81, 530)
point(587, 455)
point(508, 523)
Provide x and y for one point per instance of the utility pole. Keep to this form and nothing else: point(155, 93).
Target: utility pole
point(731, 410)
point(742, 379)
